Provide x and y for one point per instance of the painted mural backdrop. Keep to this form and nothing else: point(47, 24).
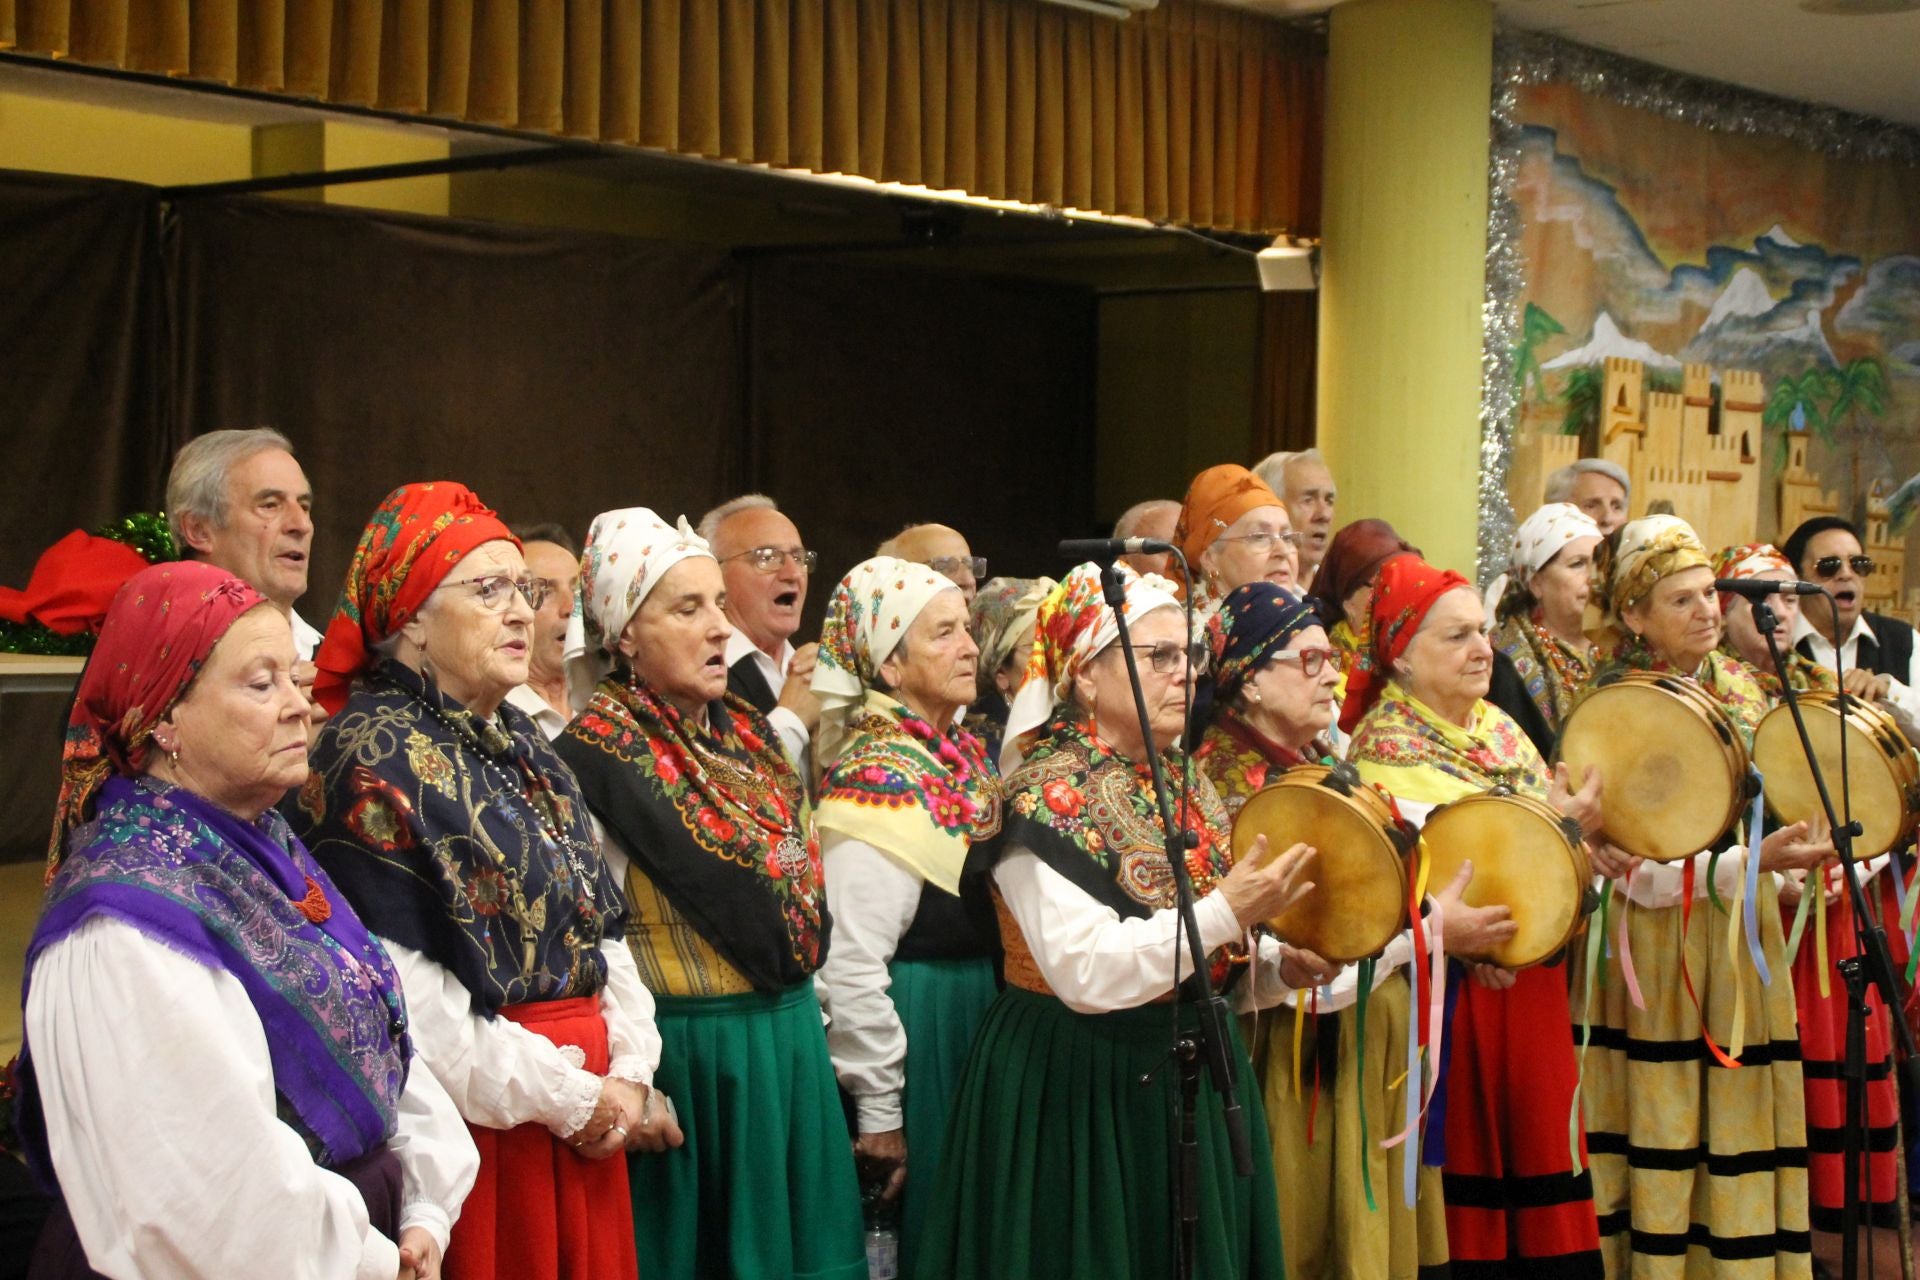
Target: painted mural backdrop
point(1650, 238)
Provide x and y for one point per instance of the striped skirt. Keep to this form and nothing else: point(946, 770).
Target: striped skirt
point(1699, 1170)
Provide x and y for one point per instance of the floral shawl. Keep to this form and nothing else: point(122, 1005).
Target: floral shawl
point(1090, 814)
point(1807, 675)
point(1728, 679)
point(1239, 760)
point(716, 818)
point(919, 796)
point(1407, 747)
point(244, 898)
point(463, 839)
point(1552, 672)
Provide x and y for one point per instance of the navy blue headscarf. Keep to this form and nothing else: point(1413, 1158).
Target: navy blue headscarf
point(1254, 620)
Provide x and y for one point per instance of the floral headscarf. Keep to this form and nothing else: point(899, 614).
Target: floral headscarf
point(1536, 542)
point(868, 615)
point(628, 551)
point(1406, 589)
point(1652, 548)
point(1003, 609)
point(163, 623)
point(417, 534)
point(1073, 626)
point(1748, 560)
point(1254, 620)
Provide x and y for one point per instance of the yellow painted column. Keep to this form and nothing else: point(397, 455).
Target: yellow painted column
point(1403, 261)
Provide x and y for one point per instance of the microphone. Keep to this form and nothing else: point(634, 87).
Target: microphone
point(1077, 549)
point(1761, 588)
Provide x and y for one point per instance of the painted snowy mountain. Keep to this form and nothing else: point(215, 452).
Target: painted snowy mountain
point(1607, 340)
point(1745, 297)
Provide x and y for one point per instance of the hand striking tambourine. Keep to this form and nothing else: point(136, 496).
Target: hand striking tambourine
point(1884, 775)
point(1675, 766)
point(1358, 867)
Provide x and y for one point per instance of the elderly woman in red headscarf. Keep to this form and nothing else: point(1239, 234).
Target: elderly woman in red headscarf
point(1234, 530)
point(463, 840)
point(217, 1076)
point(1517, 1198)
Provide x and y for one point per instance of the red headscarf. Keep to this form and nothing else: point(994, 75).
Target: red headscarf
point(1352, 558)
point(1403, 593)
point(416, 535)
point(159, 630)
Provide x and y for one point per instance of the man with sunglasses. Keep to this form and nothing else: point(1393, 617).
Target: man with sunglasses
point(942, 550)
point(765, 569)
point(1877, 651)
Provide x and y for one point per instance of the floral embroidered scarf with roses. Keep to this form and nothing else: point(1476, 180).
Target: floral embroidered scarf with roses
point(1239, 760)
point(1410, 749)
point(441, 827)
point(920, 796)
point(1090, 814)
point(716, 818)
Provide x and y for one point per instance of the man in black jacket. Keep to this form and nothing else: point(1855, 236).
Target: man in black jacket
point(1877, 651)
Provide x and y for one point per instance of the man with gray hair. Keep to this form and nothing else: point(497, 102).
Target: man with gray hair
point(1154, 518)
point(239, 500)
point(1596, 486)
point(943, 550)
point(1305, 485)
point(765, 569)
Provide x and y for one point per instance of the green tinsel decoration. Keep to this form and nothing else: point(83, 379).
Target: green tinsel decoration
point(148, 533)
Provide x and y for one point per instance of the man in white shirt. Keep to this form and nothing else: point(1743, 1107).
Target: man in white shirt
point(553, 561)
point(766, 569)
point(1877, 653)
point(943, 550)
point(239, 500)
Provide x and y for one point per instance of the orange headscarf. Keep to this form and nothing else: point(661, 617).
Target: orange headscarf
point(416, 535)
point(1217, 497)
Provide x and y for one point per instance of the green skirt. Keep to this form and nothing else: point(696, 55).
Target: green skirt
point(1057, 1158)
point(764, 1188)
point(941, 1004)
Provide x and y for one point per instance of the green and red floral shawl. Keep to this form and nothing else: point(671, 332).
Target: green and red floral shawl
point(1090, 814)
point(1239, 760)
point(1729, 680)
point(716, 818)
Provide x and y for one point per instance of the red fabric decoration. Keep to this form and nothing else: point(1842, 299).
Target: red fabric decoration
point(415, 536)
point(1406, 588)
point(73, 583)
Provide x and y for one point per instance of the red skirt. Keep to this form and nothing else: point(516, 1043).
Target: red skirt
point(1515, 1207)
point(538, 1211)
point(1823, 1043)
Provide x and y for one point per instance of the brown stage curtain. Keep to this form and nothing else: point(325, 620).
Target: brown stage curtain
point(1289, 351)
point(1189, 113)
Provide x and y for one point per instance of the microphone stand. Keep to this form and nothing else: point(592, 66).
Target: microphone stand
point(1208, 1038)
point(1871, 963)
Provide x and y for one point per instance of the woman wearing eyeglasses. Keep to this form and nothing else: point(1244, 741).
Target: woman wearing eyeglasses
point(1516, 1201)
point(1235, 530)
point(1273, 681)
point(1057, 1156)
point(463, 842)
point(708, 829)
point(1542, 657)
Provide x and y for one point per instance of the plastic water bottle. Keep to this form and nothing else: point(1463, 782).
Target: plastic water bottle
point(883, 1237)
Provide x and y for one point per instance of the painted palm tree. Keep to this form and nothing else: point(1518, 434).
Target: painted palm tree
point(1856, 389)
point(1795, 406)
point(1585, 388)
point(1536, 326)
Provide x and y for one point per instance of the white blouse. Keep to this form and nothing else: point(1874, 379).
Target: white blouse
point(159, 1104)
point(872, 899)
point(500, 1074)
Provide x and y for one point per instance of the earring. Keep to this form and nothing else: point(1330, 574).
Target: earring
point(1253, 696)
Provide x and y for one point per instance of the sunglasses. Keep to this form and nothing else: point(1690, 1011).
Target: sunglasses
point(1829, 566)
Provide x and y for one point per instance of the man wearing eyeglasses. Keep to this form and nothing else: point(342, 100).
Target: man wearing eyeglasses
point(1877, 651)
point(942, 550)
point(765, 570)
point(554, 564)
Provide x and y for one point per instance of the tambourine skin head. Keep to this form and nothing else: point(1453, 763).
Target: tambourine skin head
point(1671, 766)
point(1359, 898)
point(1522, 859)
point(1880, 774)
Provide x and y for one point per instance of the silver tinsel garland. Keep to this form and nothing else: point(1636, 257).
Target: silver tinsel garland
point(1527, 58)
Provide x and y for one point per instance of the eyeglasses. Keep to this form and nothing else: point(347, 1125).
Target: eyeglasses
point(1829, 566)
point(1262, 542)
point(769, 559)
point(495, 590)
point(1311, 661)
point(947, 566)
point(1167, 656)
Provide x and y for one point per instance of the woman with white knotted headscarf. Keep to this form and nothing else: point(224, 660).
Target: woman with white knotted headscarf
point(1541, 654)
point(707, 825)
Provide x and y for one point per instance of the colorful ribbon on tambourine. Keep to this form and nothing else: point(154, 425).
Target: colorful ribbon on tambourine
point(1426, 1036)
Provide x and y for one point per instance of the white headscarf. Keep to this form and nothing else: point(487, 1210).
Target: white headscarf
point(628, 551)
point(868, 615)
point(1072, 627)
point(1538, 540)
